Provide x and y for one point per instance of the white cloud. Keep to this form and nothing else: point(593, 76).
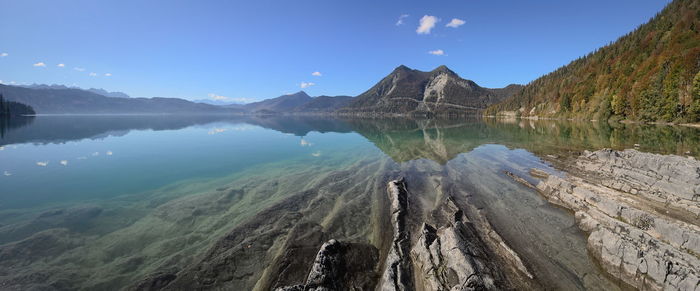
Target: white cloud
point(2, 148)
point(2, 55)
point(108, 75)
point(95, 154)
point(306, 84)
point(305, 143)
point(454, 23)
point(79, 69)
point(437, 53)
point(39, 64)
point(93, 74)
point(427, 23)
point(401, 18)
point(64, 162)
point(61, 65)
point(217, 97)
point(7, 173)
point(316, 154)
point(109, 153)
point(42, 164)
point(316, 74)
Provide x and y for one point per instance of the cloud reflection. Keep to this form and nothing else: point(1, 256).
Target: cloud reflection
point(305, 143)
point(217, 130)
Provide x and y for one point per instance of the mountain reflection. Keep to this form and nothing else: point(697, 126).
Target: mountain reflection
point(403, 140)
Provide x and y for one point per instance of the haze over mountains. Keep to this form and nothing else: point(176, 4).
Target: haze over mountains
point(403, 92)
point(78, 101)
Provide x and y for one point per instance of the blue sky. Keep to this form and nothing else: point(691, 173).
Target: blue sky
point(252, 50)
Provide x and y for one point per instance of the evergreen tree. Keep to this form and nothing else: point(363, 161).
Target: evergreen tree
point(4, 107)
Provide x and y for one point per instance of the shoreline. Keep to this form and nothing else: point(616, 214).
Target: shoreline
point(620, 204)
point(625, 121)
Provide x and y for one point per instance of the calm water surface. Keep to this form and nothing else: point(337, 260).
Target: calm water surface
point(102, 201)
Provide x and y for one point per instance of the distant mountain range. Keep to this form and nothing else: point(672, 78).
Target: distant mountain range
point(102, 92)
point(78, 101)
point(403, 92)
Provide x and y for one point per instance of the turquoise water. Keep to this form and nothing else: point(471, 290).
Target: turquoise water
point(39, 173)
point(100, 202)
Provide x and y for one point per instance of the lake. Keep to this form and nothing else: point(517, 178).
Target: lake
point(101, 202)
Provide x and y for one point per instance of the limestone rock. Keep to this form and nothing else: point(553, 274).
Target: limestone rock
point(340, 266)
point(397, 270)
point(641, 212)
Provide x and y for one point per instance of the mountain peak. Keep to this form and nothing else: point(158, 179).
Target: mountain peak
point(402, 68)
point(300, 93)
point(443, 69)
point(437, 92)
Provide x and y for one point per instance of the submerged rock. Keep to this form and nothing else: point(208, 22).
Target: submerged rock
point(340, 266)
point(641, 211)
point(397, 268)
point(446, 259)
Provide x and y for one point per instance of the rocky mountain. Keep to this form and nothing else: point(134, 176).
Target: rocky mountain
point(650, 74)
point(438, 92)
point(78, 101)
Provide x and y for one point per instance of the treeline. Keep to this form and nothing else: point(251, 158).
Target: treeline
point(650, 74)
point(9, 108)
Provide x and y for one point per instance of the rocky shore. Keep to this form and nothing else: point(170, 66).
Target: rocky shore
point(640, 210)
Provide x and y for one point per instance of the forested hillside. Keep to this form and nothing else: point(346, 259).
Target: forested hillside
point(650, 74)
point(9, 108)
